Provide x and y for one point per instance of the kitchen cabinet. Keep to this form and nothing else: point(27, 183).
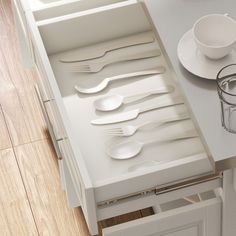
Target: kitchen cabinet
point(104, 187)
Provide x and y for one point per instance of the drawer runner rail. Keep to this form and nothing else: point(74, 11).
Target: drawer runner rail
point(162, 189)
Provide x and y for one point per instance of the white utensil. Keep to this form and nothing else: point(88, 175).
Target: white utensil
point(99, 64)
point(130, 115)
point(106, 81)
point(108, 47)
point(113, 102)
point(127, 150)
point(145, 165)
point(195, 62)
point(153, 163)
point(130, 130)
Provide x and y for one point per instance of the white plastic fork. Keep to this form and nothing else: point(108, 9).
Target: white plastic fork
point(130, 130)
point(98, 64)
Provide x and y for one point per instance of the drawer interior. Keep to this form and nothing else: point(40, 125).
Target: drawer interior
point(75, 34)
point(39, 4)
point(188, 200)
point(176, 207)
point(59, 8)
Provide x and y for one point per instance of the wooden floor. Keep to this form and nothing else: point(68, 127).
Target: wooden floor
point(31, 199)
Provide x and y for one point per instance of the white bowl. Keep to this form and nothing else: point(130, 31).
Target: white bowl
point(215, 35)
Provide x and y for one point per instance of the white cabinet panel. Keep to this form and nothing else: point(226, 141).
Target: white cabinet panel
point(52, 135)
point(191, 231)
point(22, 34)
point(72, 198)
point(200, 219)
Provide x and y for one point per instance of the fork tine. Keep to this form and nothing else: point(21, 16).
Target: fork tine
point(115, 132)
point(81, 70)
point(113, 129)
point(80, 67)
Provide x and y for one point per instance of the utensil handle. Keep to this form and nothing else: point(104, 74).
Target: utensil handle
point(188, 135)
point(128, 42)
point(162, 90)
point(165, 103)
point(110, 46)
point(183, 116)
point(157, 70)
point(110, 59)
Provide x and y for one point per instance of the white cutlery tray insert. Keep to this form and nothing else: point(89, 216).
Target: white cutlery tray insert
point(64, 7)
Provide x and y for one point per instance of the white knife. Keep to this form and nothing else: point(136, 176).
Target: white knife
point(133, 114)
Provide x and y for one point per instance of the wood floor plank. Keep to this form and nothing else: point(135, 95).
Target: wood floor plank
point(35, 122)
point(28, 103)
point(15, 215)
point(39, 169)
point(5, 141)
point(21, 79)
point(147, 212)
point(15, 119)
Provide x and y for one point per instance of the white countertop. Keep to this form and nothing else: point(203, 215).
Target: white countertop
point(172, 19)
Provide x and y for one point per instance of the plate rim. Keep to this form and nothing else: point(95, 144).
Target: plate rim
point(184, 65)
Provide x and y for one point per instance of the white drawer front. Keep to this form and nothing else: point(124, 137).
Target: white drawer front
point(43, 83)
point(200, 219)
point(53, 136)
point(48, 122)
point(77, 193)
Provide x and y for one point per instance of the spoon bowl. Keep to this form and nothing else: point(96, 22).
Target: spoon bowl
point(125, 150)
point(109, 103)
point(112, 102)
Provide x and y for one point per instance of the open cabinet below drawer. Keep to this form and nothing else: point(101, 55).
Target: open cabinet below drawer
point(200, 219)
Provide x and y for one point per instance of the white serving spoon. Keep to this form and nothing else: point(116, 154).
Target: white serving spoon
point(112, 102)
point(127, 150)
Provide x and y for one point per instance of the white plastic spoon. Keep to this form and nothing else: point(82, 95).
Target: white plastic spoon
point(106, 81)
point(127, 150)
point(112, 102)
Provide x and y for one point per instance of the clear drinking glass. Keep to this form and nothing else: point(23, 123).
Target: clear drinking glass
point(226, 86)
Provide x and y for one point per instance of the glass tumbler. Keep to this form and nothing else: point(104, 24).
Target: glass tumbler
point(226, 86)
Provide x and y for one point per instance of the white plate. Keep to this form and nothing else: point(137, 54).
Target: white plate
point(198, 64)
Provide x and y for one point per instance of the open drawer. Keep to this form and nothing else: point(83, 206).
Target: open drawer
point(95, 176)
point(198, 219)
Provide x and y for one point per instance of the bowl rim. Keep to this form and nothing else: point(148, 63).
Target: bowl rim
point(209, 46)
